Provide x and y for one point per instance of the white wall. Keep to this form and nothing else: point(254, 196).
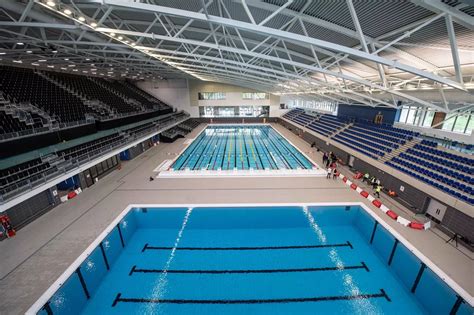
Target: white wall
point(183, 94)
point(233, 96)
point(174, 92)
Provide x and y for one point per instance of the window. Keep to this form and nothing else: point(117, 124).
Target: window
point(411, 116)
point(329, 107)
point(462, 124)
point(428, 120)
point(255, 96)
point(470, 124)
point(211, 96)
point(449, 122)
point(404, 114)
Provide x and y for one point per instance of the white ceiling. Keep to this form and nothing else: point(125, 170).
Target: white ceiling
point(369, 52)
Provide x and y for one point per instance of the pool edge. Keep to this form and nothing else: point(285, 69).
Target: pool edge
point(46, 296)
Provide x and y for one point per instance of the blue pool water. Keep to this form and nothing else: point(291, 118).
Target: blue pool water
point(261, 260)
point(240, 147)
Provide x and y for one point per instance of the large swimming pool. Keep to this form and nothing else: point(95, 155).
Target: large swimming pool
point(250, 260)
point(241, 147)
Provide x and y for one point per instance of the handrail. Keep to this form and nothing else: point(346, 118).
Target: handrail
point(71, 163)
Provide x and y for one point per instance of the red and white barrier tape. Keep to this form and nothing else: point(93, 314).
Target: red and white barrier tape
point(376, 202)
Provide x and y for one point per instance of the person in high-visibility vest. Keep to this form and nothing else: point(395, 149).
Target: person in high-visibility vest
point(378, 190)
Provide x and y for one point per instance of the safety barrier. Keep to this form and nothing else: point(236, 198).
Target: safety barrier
point(378, 203)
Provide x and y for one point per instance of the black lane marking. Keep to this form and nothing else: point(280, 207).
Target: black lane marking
point(247, 271)
point(418, 277)
point(394, 248)
point(373, 232)
point(83, 283)
point(382, 294)
point(456, 306)
point(120, 234)
point(47, 308)
point(104, 256)
point(348, 244)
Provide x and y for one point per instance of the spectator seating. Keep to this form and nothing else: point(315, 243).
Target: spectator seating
point(19, 174)
point(449, 172)
point(36, 171)
point(293, 113)
point(10, 124)
point(25, 86)
point(93, 91)
point(443, 182)
point(144, 98)
point(189, 124)
point(91, 148)
point(62, 96)
point(389, 130)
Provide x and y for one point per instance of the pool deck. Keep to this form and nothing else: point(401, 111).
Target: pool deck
point(41, 252)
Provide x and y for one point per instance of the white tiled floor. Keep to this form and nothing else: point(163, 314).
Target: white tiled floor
point(30, 262)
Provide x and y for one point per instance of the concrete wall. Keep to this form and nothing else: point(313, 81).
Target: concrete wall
point(175, 92)
point(183, 95)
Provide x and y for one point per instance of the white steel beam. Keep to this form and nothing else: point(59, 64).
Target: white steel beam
point(271, 16)
point(283, 35)
point(454, 48)
point(440, 7)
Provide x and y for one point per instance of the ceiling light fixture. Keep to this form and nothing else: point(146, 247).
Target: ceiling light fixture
point(68, 12)
point(81, 18)
point(93, 24)
point(51, 3)
point(120, 37)
point(20, 44)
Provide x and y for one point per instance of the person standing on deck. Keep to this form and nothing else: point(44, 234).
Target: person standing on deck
point(325, 158)
point(329, 172)
point(378, 190)
point(366, 177)
point(334, 174)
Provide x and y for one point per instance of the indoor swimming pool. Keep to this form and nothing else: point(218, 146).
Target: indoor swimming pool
point(241, 147)
point(274, 259)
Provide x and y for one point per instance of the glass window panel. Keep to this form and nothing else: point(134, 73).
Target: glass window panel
point(404, 114)
point(211, 96)
point(418, 115)
point(470, 125)
point(449, 123)
point(461, 123)
point(428, 121)
point(411, 115)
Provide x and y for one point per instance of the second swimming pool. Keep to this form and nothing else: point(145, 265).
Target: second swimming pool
point(241, 147)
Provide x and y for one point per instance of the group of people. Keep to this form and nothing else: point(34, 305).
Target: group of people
point(374, 182)
point(330, 161)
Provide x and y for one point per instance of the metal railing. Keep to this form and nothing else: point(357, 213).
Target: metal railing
point(72, 163)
